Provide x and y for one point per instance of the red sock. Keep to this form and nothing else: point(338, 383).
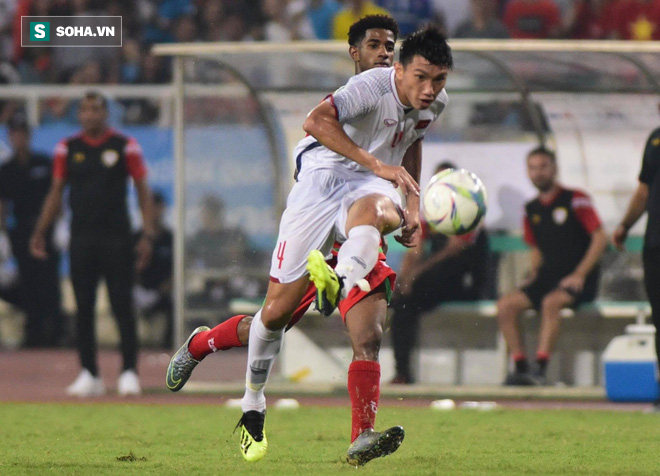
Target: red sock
point(364, 390)
point(542, 356)
point(222, 337)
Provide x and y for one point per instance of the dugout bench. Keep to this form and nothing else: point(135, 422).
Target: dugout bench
point(459, 342)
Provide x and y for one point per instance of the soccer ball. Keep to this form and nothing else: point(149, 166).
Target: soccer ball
point(454, 202)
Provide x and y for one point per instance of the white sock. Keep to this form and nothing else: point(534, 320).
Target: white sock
point(263, 346)
point(357, 256)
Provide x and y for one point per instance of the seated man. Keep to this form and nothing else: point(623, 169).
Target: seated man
point(439, 269)
point(567, 240)
point(153, 285)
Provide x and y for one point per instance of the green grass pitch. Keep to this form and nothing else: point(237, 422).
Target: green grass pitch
point(150, 439)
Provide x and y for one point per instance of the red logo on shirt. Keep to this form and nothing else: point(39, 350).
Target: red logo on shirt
point(390, 122)
point(423, 124)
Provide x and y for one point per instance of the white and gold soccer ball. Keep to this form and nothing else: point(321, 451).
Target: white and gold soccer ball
point(454, 202)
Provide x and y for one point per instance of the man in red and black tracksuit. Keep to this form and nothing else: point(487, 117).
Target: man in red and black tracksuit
point(96, 164)
point(647, 198)
point(567, 242)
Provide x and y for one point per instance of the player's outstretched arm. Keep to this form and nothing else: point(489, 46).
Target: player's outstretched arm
point(323, 125)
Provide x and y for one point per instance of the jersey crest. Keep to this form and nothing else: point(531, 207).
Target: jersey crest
point(109, 157)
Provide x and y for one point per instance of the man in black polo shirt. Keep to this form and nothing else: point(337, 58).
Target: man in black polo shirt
point(96, 164)
point(567, 241)
point(647, 198)
point(24, 183)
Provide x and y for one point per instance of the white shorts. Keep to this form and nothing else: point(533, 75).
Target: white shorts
point(315, 216)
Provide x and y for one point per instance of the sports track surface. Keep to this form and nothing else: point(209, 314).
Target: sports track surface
point(43, 375)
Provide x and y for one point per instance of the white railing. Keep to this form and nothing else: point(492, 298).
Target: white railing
point(34, 95)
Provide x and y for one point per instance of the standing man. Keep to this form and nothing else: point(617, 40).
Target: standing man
point(372, 40)
point(647, 198)
point(567, 241)
point(96, 164)
point(24, 183)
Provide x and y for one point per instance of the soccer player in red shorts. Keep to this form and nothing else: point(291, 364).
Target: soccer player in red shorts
point(372, 41)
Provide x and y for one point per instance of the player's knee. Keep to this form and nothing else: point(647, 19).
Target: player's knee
point(274, 316)
point(367, 345)
point(375, 210)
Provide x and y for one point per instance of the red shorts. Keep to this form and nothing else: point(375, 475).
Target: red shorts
point(381, 274)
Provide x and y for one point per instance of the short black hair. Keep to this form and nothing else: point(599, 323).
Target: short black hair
point(97, 96)
point(543, 150)
point(358, 30)
point(429, 43)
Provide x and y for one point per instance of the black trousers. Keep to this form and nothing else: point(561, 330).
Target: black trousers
point(112, 257)
point(39, 294)
point(651, 260)
point(437, 285)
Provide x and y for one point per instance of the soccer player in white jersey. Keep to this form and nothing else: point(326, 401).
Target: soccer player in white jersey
point(372, 44)
point(346, 188)
point(372, 41)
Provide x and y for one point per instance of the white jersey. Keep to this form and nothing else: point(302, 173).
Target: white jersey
point(372, 115)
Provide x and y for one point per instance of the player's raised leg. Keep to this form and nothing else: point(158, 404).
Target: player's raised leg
point(366, 219)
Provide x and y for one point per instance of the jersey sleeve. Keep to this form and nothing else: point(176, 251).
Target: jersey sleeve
point(60, 170)
point(585, 212)
point(360, 95)
point(651, 160)
point(528, 233)
point(134, 160)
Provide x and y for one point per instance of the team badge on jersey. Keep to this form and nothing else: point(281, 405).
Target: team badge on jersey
point(390, 122)
point(78, 157)
point(536, 218)
point(109, 157)
point(559, 215)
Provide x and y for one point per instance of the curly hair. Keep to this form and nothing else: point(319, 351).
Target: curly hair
point(358, 30)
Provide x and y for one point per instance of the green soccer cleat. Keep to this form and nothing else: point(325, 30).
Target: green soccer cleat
point(254, 444)
point(328, 284)
point(372, 444)
point(182, 364)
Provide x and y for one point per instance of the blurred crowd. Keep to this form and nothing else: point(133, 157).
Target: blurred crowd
point(146, 22)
